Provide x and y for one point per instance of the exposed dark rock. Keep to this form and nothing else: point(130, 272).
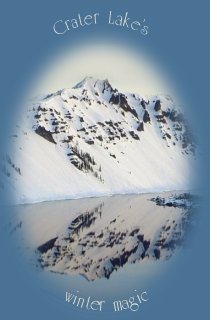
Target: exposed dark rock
point(82, 129)
point(120, 99)
point(146, 244)
point(55, 123)
point(68, 139)
point(89, 141)
point(174, 116)
point(123, 134)
point(58, 113)
point(99, 138)
point(48, 96)
point(140, 237)
point(111, 124)
point(184, 200)
point(73, 97)
point(141, 126)
point(146, 117)
point(168, 135)
point(133, 232)
point(112, 155)
point(47, 245)
point(115, 236)
point(160, 118)
point(134, 135)
point(101, 124)
point(9, 161)
point(178, 127)
point(107, 86)
point(41, 131)
point(143, 104)
point(115, 99)
point(157, 106)
point(157, 253)
point(41, 109)
point(110, 132)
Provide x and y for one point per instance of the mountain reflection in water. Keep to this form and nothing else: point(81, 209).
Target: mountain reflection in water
point(111, 232)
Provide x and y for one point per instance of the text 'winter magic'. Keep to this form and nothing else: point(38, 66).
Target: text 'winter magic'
point(131, 303)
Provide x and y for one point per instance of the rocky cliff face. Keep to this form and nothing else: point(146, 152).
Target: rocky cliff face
point(94, 140)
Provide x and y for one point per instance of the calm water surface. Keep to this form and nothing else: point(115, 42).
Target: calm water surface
point(103, 244)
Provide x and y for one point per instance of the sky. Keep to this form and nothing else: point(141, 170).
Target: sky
point(126, 69)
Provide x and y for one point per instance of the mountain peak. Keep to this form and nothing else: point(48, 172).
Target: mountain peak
point(90, 82)
point(94, 140)
point(86, 81)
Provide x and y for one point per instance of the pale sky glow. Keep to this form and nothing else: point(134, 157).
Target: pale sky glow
point(125, 69)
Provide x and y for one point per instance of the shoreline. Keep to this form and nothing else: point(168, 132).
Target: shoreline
point(101, 196)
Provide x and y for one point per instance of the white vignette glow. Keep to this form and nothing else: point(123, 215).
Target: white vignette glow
point(127, 69)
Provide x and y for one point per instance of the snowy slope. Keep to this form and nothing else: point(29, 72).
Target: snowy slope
point(92, 140)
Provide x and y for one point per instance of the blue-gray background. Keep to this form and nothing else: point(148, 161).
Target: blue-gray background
point(179, 40)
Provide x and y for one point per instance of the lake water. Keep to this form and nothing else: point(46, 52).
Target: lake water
point(100, 245)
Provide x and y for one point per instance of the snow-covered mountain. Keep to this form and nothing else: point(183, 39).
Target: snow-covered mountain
point(93, 140)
